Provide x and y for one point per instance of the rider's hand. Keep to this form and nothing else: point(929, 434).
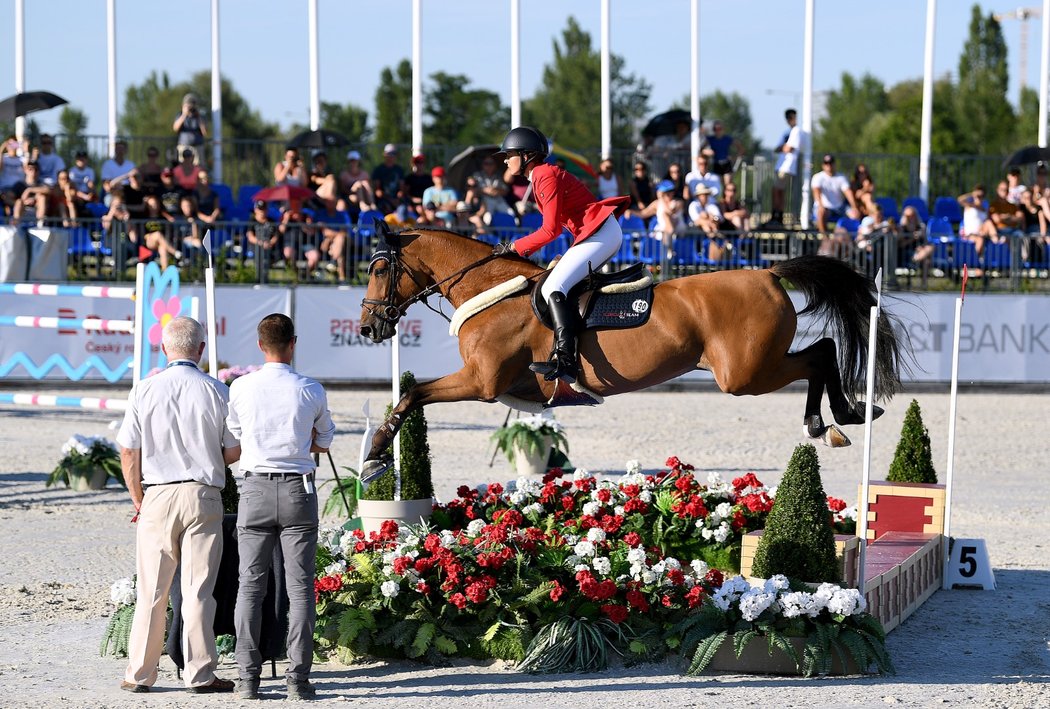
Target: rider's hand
point(503, 248)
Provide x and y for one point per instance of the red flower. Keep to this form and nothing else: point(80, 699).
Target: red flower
point(756, 502)
point(401, 564)
point(423, 588)
point(495, 489)
point(604, 495)
point(684, 483)
point(714, 578)
point(836, 505)
point(676, 577)
point(432, 543)
point(509, 518)
point(666, 601)
point(745, 481)
point(611, 523)
point(632, 539)
point(584, 484)
point(328, 583)
point(637, 600)
point(635, 505)
point(458, 600)
point(466, 493)
point(630, 490)
point(695, 596)
point(557, 592)
point(616, 614)
point(477, 592)
point(568, 502)
point(739, 520)
point(388, 530)
point(672, 462)
point(586, 522)
point(424, 564)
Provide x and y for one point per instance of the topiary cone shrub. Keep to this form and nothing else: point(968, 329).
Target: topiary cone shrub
point(913, 460)
point(416, 482)
point(798, 540)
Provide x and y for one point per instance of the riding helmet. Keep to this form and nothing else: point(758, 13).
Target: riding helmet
point(524, 139)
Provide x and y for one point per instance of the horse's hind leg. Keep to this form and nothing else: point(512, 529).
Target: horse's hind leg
point(846, 412)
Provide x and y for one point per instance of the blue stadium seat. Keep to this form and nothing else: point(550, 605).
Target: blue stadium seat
point(96, 209)
point(366, 224)
point(964, 253)
point(939, 227)
point(244, 196)
point(531, 221)
point(948, 207)
point(850, 225)
point(225, 195)
point(504, 226)
point(80, 242)
point(685, 251)
point(920, 207)
point(889, 207)
point(997, 255)
point(650, 250)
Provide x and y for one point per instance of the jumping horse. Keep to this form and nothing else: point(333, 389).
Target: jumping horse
point(739, 325)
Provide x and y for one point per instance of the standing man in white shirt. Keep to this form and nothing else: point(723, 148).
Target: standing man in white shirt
point(174, 450)
point(787, 165)
point(280, 417)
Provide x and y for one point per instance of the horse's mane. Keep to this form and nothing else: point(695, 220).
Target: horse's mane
point(443, 232)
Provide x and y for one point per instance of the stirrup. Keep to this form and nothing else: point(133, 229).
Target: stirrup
point(554, 369)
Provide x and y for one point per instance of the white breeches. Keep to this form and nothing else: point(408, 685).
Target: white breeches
point(590, 254)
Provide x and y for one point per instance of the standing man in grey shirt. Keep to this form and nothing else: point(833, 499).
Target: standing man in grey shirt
point(174, 450)
point(280, 418)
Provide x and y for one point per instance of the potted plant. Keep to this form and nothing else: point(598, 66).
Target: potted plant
point(405, 494)
point(87, 463)
point(913, 459)
point(529, 441)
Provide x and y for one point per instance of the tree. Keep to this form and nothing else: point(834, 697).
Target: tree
point(569, 98)
point(982, 109)
point(347, 119)
point(73, 122)
point(735, 113)
point(394, 105)
point(1027, 118)
point(460, 115)
point(416, 478)
point(913, 459)
point(849, 109)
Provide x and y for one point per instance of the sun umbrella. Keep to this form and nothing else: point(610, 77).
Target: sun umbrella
point(1027, 155)
point(466, 163)
point(320, 138)
point(666, 123)
point(574, 162)
point(20, 104)
point(283, 193)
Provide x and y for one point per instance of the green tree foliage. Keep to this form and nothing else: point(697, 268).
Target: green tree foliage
point(798, 540)
point(460, 115)
point(735, 113)
point(348, 119)
point(1027, 118)
point(984, 113)
point(849, 109)
point(569, 97)
point(416, 481)
point(73, 123)
point(394, 105)
point(913, 460)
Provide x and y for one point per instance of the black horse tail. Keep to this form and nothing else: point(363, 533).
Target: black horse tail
point(844, 298)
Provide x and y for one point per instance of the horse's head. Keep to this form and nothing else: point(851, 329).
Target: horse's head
point(392, 283)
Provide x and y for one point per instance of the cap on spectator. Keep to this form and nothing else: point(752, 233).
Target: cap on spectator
point(190, 99)
point(419, 158)
point(665, 186)
point(429, 205)
point(437, 172)
point(389, 149)
point(828, 158)
point(353, 155)
point(166, 172)
point(187, 153)
point(462, 206)
point(1040, 168)
point(80, 154)
point(701, 189)
point(260, 204)
point(32, 163)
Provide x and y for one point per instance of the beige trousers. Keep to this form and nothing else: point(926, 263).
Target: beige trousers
point(178, 524)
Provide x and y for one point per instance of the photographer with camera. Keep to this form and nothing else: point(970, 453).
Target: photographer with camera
point(190, 129)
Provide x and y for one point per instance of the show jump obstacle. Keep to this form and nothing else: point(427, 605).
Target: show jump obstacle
point(156, 301)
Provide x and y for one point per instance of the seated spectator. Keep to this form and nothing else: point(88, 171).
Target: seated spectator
point(1041, 188)
point(443, 196)
point(702, 176)
point(609, 184)
point(118, 211)
point(429, 216)
point(874, 226)
point(387, 178)
point(734, 213)
point(1034, 227)
point(707, 217)
point(115, 170)
point(150, 171)
point(35, 203)
point(333, 238)
point(837, 245)
point(832, 196)
point(912, 244)
point(169, 192)
point(186, 172)
point(49, 162)
point(187, 230)
point(67, 193)
point(1007, 217)
point(299, 236)
point(722, 150)
point(290, 170)
point(155, 229)
point(135, 195)
point(208, 209)
point(355, 185)
point(82, 176)
point(12, 174)
point(863, 186)
point(1014, 185)
point(263, 234)
point(491, 189)
point(642, 194)
point(417, 181)
point(976, 226)
point(676, 175)
point(319, 172)
point(669, 210)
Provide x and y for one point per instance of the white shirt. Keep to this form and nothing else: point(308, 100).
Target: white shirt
point(111, 169)
point(695, 208)
point(832, 189)
point(274, 411)
point(713, 182)
point(177, 418)
point(787, 163)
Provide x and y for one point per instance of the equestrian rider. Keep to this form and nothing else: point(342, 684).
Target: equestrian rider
point(565, 202)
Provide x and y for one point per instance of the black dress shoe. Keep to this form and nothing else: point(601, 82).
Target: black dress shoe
point(136, 688)
point(216, 685)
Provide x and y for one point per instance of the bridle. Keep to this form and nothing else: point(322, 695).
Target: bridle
point(387, 309)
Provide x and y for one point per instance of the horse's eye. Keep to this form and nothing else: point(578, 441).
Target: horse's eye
point(380, 272)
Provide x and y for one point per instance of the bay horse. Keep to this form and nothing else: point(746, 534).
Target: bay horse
point(739, 325)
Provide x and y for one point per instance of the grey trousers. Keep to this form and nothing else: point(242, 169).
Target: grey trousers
point(273, 511)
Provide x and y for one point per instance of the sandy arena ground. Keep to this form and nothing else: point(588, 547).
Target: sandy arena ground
point(61, 551)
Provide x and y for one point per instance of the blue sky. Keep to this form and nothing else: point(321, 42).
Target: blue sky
point(750, 46)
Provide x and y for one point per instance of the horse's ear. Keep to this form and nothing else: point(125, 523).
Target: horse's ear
point(382, 229)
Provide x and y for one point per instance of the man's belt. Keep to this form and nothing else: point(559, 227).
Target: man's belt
point(146, 486)
point(279, 476)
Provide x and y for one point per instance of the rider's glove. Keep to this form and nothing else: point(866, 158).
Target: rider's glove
point(502, 248)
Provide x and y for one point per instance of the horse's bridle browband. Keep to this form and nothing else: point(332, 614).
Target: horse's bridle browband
point(387, 309)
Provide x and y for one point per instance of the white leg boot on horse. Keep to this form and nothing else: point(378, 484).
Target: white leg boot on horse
point(562, 362)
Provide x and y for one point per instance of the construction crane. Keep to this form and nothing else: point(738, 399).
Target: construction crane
point(1022, 15)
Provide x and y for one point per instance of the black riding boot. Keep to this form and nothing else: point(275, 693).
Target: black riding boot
point(562, 362)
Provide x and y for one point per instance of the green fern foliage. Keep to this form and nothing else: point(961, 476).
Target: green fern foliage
point(118, 630)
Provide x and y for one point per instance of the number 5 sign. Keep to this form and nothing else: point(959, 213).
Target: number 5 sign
point(968, 565)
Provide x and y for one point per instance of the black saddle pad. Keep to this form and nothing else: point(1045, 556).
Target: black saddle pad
point(603, 310)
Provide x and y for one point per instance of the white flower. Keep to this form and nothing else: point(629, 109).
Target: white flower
point(721, 601)
point(636, 555)
point(336, 568)
point(649, 576)
point(714, 480)
point(705, 532)
point(591, 508)
point(122, 592)
point(584, 548)
point(672, 563)
point(411, 539)
point(700, 568)
point(518, 498)
point(636, 570)
point(572, 561)
point(595, 534)
point(734, 586)
point(581, 567)
point(618, 510)
point(602, 565)
point(633, 467)
point(534, 508)
point(475, 527)
point(571, 539)
point(849, 513)
point(390, 589)
point(772, 492)
point(659, 566)
point(329, 538)
point(754, 602)
point(724, 509)
point(634, 478)
point(581, 474)
point(778, 582)
point(796, 603)
point(645, 496)
point(528, 487)
point(722, 533)
point(447, 538)
point(846, 601)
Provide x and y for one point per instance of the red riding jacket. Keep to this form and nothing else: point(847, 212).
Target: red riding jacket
point(565, 202)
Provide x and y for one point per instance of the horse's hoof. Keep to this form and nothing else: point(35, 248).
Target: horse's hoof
point(372, 469)
point(834, 437)
point(855, 416)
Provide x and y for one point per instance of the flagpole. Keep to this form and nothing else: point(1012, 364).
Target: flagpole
point(953, 401)
point(869, 409)
point(20, 64)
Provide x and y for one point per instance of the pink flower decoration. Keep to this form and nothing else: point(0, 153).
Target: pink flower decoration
point(164, 311)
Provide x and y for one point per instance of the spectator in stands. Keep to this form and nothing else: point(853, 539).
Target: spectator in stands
point(49, 162)
point(874, 226)
point(609, 184)
point(209, 210)
point(442, 195)
point(82, 176)
point(169, 192)
point(290, 170)
point(1014, 185)
point(832, 196)
point(429, 216)
point(672, 147)
point(669, 209)
point(416, 182)
point(386, 180)
point(863, 186)
point(263, 234)
point(333, 238)
point(787, 151)
point(186, 173)
point(299, 234)
point(115, 170)
point(190, 129)
point(976, 226)
point(702, 175)
point(1041, 188)
point(12, 173)
point(838, 244)
point(67, 194)
point(723, 150)
point(355, 185)
point(1008, 218)
point(912, 244)
point(734, 213)
point(154, 228)
point(319, 172)
point(491, 189)
point(705, 215)
point(642, 194)
point(150, 171)
point(676, 175)
point(1034, 228)
point(135, 195)
point(35, 202)
point(187, 230)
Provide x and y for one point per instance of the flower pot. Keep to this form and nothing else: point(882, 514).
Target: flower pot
point(373, 513)
point(91, 479)
point(532, 462)
point(755, 659)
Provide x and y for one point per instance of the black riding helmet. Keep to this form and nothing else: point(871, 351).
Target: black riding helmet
point(524, 139)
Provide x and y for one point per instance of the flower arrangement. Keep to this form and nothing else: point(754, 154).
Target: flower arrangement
point(115, 638)
point(226, 375)
point(531, 435)
point(829, 622)
point(85, 458)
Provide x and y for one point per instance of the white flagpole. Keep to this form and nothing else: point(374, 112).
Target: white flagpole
point(216, 97)
point(395, 391)
point(515, 63)
point(1044, 73)
point(20, 63)
point(417, 79)
point(111, 69)
point(862, 506)
point(209, 304)
point(953, 401)
point(315, 71)
point(926, 125)
point(694, 78)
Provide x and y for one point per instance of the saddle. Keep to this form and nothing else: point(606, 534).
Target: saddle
point(605, 301)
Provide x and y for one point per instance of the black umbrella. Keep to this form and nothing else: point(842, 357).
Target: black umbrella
point(20, 104)
point(666, 123)
point(466, 164)
point(320, 138)
point(1027, 155)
